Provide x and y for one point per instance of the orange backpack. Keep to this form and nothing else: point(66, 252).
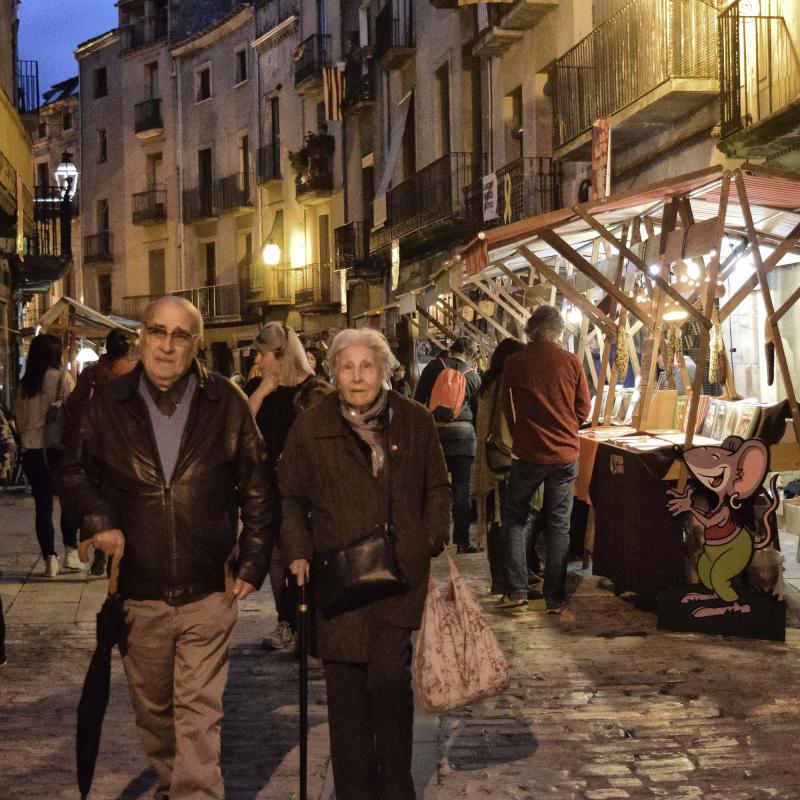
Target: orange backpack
point(448, 393)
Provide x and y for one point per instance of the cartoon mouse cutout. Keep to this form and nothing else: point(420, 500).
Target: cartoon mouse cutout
point(734, 472)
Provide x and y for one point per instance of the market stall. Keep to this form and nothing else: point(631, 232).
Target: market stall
point(645, 269)
point(77, 324)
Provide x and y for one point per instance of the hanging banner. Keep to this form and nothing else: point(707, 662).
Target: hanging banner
point(395, 263)
point(489, 197)
point(601, 158)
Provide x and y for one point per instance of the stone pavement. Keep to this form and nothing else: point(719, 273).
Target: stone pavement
point(601, 704)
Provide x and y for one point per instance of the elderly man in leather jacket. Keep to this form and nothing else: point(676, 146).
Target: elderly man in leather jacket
point(160, 462)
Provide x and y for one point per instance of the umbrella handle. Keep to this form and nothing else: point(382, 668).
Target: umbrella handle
point(113, 580)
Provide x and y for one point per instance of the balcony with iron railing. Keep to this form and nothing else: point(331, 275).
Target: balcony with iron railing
point(315, 53)
point(271, 285)
point(759, 83)
point(47, 238)
point(150, 206)
point(234, 192)
point(98, 247)
point(394, 34)
point(269, 163)
point(147, 118)
point(380, 238)
point(526, 188)
point(144, 31)
point(27, 86)
point(218, 303)
point(351, 246)
point(653, 63)
point(359, 82)
point(433, 196)
point(133, 306)
point(312, 284)
point(200, 204)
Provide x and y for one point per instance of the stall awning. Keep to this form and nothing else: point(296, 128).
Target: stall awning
point(70, 316)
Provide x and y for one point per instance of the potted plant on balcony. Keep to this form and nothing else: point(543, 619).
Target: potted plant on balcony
point(312, 161)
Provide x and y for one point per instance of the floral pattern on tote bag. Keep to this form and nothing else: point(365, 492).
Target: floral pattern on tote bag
point(457, 659)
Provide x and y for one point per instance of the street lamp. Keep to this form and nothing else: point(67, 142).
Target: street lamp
point(271, 253)
point(66, 175)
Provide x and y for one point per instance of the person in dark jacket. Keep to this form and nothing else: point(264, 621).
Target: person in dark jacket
point(545, 399)
point(114, 363)
point(341, 460)
point(159, 464)
point(458, 436)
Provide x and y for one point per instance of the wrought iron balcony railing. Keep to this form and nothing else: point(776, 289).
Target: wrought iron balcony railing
point(215, 303)
point(315, 53)
point(312, 284)
point(269, 163)
point(149, 206)
point(235, 191)
point(27, 86)
point(526, 188)
point(645, 44)
point(351, 245)
point(314, 182)
point(148, 116)
point(359, 82)
point(146, 30)
point(200, 203)
point(271, 284)
point(133, 306)
point(394, 32)
point(47, 222)
point(759, 66)
point(98, 247)
point(433, 194)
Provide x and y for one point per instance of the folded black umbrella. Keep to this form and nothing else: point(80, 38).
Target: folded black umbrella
point(97, 684)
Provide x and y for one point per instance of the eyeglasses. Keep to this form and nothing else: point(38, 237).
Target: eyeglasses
point(180, 339)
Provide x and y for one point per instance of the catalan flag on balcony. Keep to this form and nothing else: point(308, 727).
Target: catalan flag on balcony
point(333, 85)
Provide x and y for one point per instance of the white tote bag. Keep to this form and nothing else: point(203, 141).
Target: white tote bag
point(457, 659)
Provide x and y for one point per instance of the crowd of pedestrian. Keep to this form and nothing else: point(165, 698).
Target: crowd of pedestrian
point(201, 491)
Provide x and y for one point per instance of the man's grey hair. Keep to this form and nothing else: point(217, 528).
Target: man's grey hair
point(545, 323)
point(171, 299)
point(362, 337)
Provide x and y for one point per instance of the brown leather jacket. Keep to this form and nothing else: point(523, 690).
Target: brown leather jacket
point(177, 537)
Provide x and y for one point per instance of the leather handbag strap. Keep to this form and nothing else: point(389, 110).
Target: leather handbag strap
point(387, 486)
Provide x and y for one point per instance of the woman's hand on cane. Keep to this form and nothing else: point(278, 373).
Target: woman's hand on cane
point(300, 569)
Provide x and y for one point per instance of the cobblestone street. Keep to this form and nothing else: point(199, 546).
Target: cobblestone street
point(601, 704)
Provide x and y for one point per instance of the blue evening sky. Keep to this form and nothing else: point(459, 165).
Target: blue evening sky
point(49, 32)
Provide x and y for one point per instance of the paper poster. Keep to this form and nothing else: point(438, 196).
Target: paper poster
point(489, 197)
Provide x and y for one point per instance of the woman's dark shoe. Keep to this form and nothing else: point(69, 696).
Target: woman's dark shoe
point(466, 549)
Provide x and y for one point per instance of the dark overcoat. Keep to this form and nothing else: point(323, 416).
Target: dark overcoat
point(330, 499)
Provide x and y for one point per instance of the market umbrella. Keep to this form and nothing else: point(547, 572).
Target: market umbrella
point(303, 633)
point(97, 684)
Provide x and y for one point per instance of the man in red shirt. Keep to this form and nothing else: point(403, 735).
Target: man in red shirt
point(546, 399)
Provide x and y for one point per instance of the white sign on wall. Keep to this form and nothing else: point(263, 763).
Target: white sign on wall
point(489, 197)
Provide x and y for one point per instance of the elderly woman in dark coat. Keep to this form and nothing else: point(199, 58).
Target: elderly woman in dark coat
point(338, 462)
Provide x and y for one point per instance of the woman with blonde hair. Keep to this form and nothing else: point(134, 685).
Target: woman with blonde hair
point(285, 375)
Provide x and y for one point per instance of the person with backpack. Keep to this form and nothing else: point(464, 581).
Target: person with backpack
point(449, 387)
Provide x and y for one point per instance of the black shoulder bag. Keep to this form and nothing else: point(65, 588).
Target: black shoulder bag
point(363, 572)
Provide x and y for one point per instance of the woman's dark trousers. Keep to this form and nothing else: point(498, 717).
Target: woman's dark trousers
point(40, 478)
point(371, 716)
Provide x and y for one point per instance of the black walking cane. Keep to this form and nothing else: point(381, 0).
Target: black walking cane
point(303, 631)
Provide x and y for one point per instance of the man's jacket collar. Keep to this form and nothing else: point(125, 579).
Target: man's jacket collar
point(126, 387)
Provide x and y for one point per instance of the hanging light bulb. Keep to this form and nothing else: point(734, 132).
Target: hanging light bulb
point(574, 316)
point(693, 270)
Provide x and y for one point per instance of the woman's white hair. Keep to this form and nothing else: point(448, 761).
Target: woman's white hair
point(362, 337)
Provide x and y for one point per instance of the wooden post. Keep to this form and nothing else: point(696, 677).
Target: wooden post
point(708, 305)
point(780, 353)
